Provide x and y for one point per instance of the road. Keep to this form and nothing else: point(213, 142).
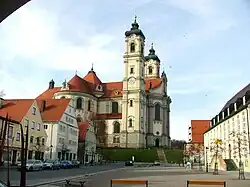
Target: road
point(50, 175)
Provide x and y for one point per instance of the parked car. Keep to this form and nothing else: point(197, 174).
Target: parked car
point(66, 164)
point(156, 163)
point(75, 163)
point(51, 164)
point(129, 163)
point(32, 165)
point(2, 184)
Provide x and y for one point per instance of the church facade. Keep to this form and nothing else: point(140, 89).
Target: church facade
point(136, 110)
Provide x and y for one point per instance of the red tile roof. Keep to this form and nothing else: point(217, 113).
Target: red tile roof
point(198, 127)
point(54, 108)
point(49, 93)
point(89, 83)
point(108, 116)
point(83, 129)
point(16, 109)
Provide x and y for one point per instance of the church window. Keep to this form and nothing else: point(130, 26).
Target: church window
point(89, 105)
point(132, 47)
point(131, 103)
point(150, 70)
point(114, 107)
point(157, 112)
point(116, 139)
point(79, 103)
point(116, 127)
point(131, 70)
point(130, 123)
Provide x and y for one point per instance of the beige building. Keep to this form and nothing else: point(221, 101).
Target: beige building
point(60, 124)
point(136, 110)
point(26, 113)
point(231, 126)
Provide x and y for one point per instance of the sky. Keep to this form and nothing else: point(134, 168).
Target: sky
point(203, 46)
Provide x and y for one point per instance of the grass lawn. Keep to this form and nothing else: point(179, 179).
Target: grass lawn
point(174, 155)
point(140, 155)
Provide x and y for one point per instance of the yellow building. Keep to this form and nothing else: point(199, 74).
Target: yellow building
point(25, 113)
point(231, 127)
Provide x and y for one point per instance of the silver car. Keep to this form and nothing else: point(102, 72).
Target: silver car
point(33, 165)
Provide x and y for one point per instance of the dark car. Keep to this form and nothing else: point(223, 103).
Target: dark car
point(66, 164)
point(51, 164)
point(75, 163)
point(129, 163)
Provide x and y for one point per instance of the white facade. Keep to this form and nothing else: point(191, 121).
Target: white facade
point(62, 141)
point(233, 120)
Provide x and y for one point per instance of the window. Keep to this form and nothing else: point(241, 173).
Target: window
point(116, 127)
point(79, 103)
point(34, 110)
point(63, 97)
point(131, 103)
point(18, 136)
point(132, 47)
point(89, 105)
point(32, 139)
point(116, 139)
point(150, 70)
point(43, 141)
point(37, 140)
point(38, 126)
point(26, 122)
point(33, 124)
point(114, 107)
point(10, 132)
point(130, 123)
point(131, 70)
point(78, 119)
point(157, 112)
point(45, 126)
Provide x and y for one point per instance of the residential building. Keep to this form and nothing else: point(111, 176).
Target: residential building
point(195, 146)
point(60, 124)
point(136, 109)
point(87, 143)
point(24, 113)
point(231, 129)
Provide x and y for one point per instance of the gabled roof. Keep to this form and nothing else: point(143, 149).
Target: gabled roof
point(49, 93)
point(112, 89)
point(54, 109)
point(240, 94)
point(77, 84)
point(92, 78)
point(83, 129)
point(16, 109)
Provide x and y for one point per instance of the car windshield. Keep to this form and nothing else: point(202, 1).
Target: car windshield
point(30, 161)
point(49, 161)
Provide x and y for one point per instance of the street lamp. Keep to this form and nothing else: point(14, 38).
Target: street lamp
point(50, 156)
point(206, 160)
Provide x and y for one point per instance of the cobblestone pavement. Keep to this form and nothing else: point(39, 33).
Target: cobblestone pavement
point(164, 177)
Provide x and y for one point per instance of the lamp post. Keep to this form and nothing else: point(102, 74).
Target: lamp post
point(50, 156)
point(206, 160)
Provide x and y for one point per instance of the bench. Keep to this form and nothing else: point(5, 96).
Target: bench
point(129, 181)
point(206, 182)
point(76, 182)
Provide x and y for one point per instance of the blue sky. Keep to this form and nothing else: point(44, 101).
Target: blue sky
point(203, 46)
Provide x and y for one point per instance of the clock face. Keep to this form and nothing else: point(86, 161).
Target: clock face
point(131, 80)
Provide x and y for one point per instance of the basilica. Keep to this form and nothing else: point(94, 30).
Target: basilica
point(135, 110)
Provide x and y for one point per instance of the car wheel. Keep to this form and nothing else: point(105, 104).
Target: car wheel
point(30, 169)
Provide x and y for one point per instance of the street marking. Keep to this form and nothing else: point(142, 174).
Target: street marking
point(78, 176)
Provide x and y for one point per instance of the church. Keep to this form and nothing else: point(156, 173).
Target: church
point(135, 110)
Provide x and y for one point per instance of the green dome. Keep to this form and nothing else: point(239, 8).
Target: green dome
point(135, 30)
point(152, 55)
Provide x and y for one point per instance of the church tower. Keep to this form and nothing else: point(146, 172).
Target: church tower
point(152, 64)
point(134, 103)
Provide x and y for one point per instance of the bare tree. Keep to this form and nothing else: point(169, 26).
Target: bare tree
point(216, 148)
point(2, 94)
point(101, 132)
point(38, 146)
point(238, 139)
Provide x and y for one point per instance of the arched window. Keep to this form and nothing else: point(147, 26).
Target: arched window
point(130, 123)
point(79, 103)
point(114, 107)
point(157, 112)
point(79, 119)
point(132, 47)
point(89, 105)
point(116, 127)
point(150, 70)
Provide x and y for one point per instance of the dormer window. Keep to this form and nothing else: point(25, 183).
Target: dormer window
point(132, 47)
point(99, 88)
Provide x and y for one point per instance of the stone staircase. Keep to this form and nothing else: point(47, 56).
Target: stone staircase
point(161, 156)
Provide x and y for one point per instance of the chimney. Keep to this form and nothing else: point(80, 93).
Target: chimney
point(43, 105)
point(1, 102)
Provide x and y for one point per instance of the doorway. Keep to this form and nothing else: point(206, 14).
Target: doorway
point(14, 156)
point(157, 142)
